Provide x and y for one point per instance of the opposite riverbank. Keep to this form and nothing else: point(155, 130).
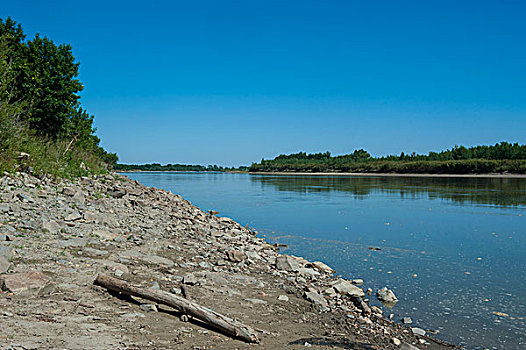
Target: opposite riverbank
point(58, 236)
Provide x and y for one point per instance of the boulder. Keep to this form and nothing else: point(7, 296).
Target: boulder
point(322, 267)
point(386, 296)
point(287, 263)
point(345, 287)
point(50, 226)
point(235, 255)
point(317, 300)
point(26, 283)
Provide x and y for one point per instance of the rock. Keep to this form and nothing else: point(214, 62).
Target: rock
point(26, 283)
point(94, 252)
point(345, 287)
point(322, 267)
point(406, 346)
point(376, 310)
point(418, 331)
point(407, 320)
point(69, 191)
point(396, 341)
point(357, 281)
point(118, 272)
point(157, 260)
point(79, 198)
point(235, 255)
point(4, 208)
point(317, 300)
point(105, 234)
point(6, 252)
point(50, 226)
point(256, 301)
point(283, 298)
point(4, 264)
point(73, 217)
point(25, 198)
point(190, 279)
point(287, 263)
point(386, 296)
point(307, 272)
point(117, 193)
point(149, 307)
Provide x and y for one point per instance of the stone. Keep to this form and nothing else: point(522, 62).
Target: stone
point(256, 301)
point(317, 300)
point(190, 279)
point(4, 208)
point(283, 298)
point(50, 226)
point(105, 234)
point(117, 193)
point(235, 255)
point(322, 267)
point(25, 198)
point(73, 217)
point(406, 346)
point(396, 341)
point(357, 281)
point(79, 198)
point(307, 272)
point(94, 252)
point(69, 191)
point(407, 320)
point(149, 307)
point(287, 263)
point(418, 331)
point(345, 287)
point(157, 260)
point(26, 283)
point(386, 296)
point(4, 264)
point(376, 310)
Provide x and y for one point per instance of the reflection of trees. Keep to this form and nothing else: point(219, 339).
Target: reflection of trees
point(493, 191)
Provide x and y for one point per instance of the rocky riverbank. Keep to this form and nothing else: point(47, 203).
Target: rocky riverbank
point(56, 237)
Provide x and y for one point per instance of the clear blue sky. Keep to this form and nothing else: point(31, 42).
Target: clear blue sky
point(231, 82)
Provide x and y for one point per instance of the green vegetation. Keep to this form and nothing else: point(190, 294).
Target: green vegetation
point(502, 157)
point(43, 128)
point(173, 167)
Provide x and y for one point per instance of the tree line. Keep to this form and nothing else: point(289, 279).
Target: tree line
point(502, 157)
point(40, 110)
point(175, 167)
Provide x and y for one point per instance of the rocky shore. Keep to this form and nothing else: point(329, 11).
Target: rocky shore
point(56, 237)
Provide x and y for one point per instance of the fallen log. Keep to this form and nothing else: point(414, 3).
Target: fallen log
point(210, 317)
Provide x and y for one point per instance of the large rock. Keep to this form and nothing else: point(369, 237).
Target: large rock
point(287, 263)
point(317, 300)
point(157, 260)
point(4, 264)
point(235, 255)
point(386, 296)
point(345, 287)
point(73, 216)
point(50, 226)
point(26, 283)
point(322, 267)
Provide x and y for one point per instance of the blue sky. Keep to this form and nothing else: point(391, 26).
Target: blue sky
point(231, 82)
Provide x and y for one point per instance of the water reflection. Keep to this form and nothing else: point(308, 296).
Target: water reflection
point(489, 191)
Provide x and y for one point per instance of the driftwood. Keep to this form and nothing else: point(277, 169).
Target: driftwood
point(210, 317)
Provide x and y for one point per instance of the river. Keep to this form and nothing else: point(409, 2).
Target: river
point(452, 249)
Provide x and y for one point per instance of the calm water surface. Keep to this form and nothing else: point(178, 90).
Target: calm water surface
point(452, 249)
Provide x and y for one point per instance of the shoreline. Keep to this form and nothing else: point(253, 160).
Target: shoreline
point(491, 176)
point(74, 230)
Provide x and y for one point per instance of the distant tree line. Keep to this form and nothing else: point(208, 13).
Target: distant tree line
point(174, 167)
point(502, 157)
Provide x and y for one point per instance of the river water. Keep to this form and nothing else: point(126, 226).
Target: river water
point(452, 249)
